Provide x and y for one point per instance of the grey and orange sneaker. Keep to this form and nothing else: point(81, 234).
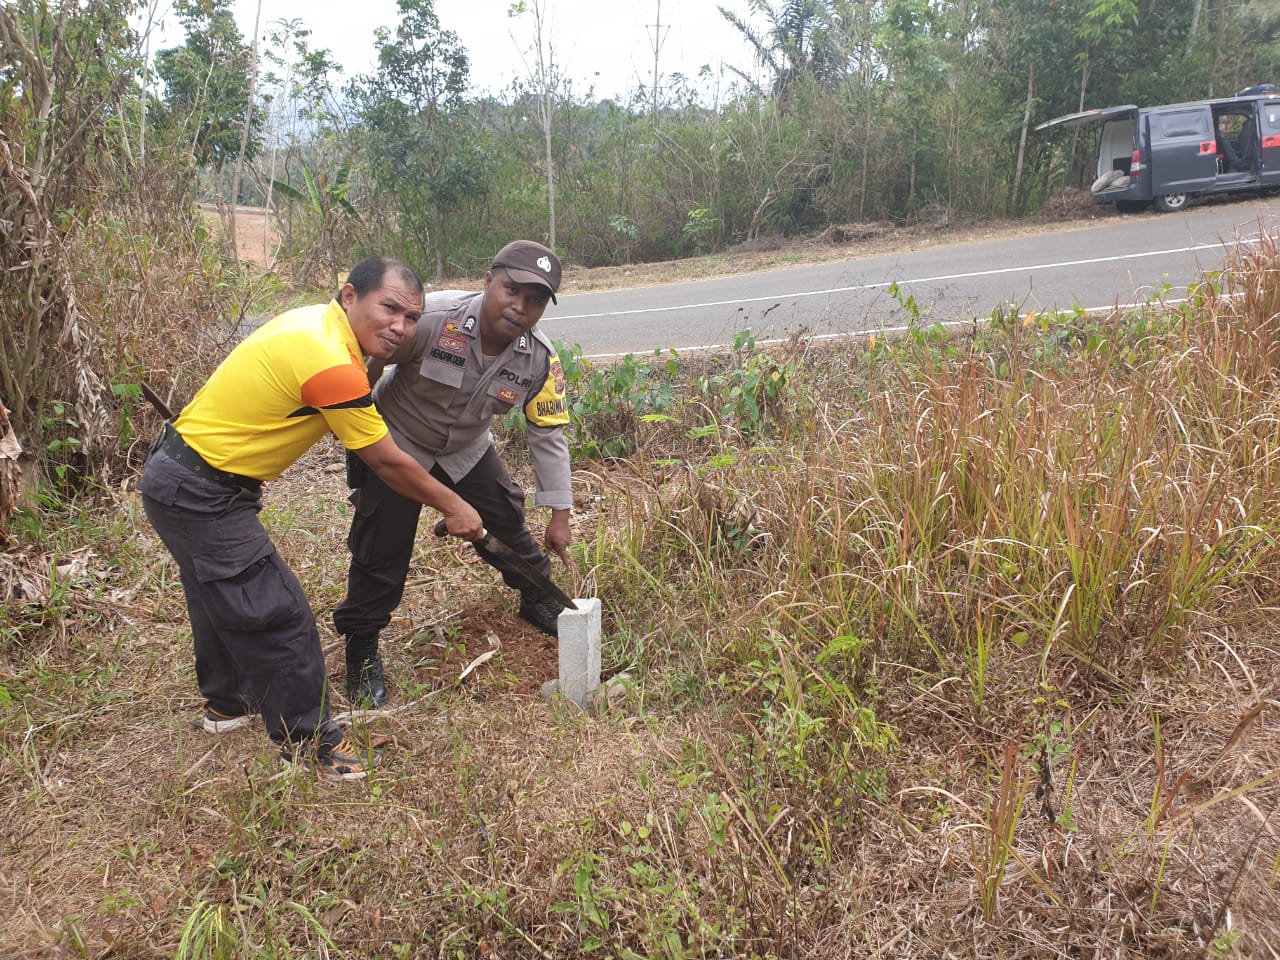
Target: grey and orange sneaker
point(340, 761)
point(214, 721)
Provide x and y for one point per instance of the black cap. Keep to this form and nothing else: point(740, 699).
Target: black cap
point(528, 262)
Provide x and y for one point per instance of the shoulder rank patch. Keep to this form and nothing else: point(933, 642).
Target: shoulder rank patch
point(550, 408)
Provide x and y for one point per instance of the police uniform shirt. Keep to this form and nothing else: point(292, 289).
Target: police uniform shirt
point(444, 393)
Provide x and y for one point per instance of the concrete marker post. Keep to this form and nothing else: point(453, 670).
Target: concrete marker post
point(580, 650)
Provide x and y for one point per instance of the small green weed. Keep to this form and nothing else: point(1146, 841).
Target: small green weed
point(608, 403)
point(252, 923)
point(755, 391)
point(63, 445)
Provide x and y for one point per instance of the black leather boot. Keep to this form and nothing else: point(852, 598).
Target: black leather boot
point(541, 609)
point(366, 684)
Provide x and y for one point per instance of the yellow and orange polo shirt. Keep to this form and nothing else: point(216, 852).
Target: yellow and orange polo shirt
point(294, 379)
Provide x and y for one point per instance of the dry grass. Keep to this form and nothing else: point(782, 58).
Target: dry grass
point(945, 647)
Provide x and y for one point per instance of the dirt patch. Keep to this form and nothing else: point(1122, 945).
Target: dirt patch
point(841, 233)
point(482, 647)
point(456, 628)
point(257, 240)
point(478, 659)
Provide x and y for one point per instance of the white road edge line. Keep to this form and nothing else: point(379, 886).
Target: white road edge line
point(852, 334)
point(906, 282)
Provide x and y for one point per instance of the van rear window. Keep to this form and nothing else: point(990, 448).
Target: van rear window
point(1184, 123)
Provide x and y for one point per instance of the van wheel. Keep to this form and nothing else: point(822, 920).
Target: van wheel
point(1171, 202)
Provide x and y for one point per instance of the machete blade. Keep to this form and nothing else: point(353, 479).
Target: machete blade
point(491, 545)
point(513, 561)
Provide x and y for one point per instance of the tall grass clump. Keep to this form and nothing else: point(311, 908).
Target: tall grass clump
point(1038, 498)
point(1099, 501)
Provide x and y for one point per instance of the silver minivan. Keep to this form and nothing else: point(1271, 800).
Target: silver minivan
point(1172, 154)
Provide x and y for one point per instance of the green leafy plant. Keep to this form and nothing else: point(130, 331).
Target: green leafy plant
point(610, 402)
point(623, 227)
point(589, 908)
point(63, 444)
point(755, 391)
point(699, 229)
point(325, 196)
point(252, 921)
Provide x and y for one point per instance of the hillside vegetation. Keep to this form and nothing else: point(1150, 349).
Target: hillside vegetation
point(847, 119)
point(946, 645)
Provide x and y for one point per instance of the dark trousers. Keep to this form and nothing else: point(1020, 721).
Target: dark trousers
point(256, 643)
point(385, 525)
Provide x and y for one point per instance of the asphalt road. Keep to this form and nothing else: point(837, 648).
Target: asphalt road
point(1118, 260)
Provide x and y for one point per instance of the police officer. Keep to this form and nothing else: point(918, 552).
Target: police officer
point(474, 356)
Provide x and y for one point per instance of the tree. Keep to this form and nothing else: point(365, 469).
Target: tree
point(1107, 24)
point(794, 44)
point(208, 84)
point(910, 46)
point(1025, 42)
point(64, 74)
point(301, 111)
point(546, 80)
point(245, 128)
point(419, 140)
point(327, 201)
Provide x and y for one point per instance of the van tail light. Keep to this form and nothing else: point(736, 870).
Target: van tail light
point(1135, 163)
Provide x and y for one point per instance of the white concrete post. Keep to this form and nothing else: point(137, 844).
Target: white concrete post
point(580, 650)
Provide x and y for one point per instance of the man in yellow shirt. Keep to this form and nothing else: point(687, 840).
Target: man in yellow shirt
point(296, 378)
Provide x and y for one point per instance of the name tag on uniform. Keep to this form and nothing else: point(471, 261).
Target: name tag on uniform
point(450, 348)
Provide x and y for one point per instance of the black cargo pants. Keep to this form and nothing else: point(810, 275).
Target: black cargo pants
point(256, 643)
point(385, 525)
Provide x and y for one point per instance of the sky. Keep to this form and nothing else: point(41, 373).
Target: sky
point(607, 44)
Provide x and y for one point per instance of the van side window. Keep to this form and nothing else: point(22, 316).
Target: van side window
point(1273, 119)
point(1184, 123)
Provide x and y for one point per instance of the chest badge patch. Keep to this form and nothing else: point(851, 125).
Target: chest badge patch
point(507, 395)
point(450, 348)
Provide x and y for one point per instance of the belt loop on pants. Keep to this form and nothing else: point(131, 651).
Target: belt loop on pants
point(177, 450)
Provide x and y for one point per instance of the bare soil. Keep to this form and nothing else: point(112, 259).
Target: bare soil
point(456, 628)
point(256, 236)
